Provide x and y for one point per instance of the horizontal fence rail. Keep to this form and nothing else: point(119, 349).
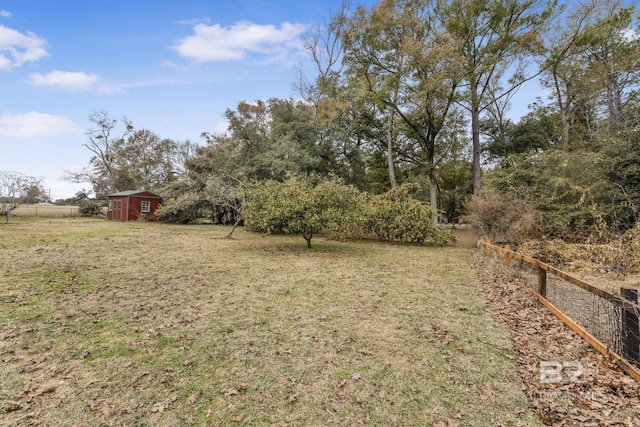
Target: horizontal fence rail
point(45, 210)
point(606, 321)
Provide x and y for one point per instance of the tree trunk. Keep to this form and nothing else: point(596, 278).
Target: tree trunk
point(565, 128)
point(390, 164)
point(308, 237)
point(613, 116)
point(475, 134)
point(614, 104)
point(563, 107)
point(229, 236)
point(433, 192)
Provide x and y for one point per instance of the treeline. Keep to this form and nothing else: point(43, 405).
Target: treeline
point(418, 92)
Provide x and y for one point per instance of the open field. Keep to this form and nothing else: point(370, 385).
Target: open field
point(106, 323)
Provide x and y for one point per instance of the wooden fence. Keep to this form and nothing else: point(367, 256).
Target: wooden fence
point(606, 321)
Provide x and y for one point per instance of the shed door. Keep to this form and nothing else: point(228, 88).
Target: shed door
point(116, 215)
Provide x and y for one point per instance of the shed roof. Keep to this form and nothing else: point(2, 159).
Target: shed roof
point(133, 193)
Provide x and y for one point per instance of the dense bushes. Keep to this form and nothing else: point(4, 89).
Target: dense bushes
point(395, 215)
point(90, 208)
point(298, 207)
point(501, 216)
point(570, 191)
point(293, 207)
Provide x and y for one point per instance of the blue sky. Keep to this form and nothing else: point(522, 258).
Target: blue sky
point(171, 67)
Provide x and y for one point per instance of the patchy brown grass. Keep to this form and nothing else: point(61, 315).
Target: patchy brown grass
point(107, 323)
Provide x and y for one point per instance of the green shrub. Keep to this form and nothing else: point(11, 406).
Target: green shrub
point(396, 215)
point(292, 207)
point(297, 207)
point(344, 210)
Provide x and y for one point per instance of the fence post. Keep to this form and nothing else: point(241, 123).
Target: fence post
point(630, 330)
point(542, 277)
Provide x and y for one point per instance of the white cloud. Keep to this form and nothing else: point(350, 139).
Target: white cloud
point(35, 125)
point(194, 21)
point(16, 48)
point(173, 66)
point(68, 80)
point(217, 43)
point(5, 14)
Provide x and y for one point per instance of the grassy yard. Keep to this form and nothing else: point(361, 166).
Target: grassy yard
point(107, 323)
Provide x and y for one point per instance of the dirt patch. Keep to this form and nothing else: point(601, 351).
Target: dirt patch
point(567, 382)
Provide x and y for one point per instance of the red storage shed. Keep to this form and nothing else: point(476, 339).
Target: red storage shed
point(133, 205)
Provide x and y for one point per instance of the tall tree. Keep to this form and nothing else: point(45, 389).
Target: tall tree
point(398, 55)
point(493, 38)
point(277, 139)
point(342, 118)
point(612, 51)
point(564, 70)
point(101, 172)
point(376, 56)
point(207, 187)
point(144, 160)
point(124, 158)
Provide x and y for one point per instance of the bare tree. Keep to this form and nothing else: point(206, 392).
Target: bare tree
point(15, 189)
point(103, 138)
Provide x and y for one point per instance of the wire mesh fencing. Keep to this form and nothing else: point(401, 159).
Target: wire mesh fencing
point(610, 319)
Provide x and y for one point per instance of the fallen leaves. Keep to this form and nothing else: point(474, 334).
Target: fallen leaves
point(229, 392)
point(488, 392)
point(604, 395)
point(161, 406)
point(192, 399)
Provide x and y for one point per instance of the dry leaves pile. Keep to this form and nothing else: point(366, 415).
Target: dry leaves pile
point(620, 255)
point(603, 395)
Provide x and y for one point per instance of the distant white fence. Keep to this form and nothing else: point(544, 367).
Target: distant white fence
point(45, 210)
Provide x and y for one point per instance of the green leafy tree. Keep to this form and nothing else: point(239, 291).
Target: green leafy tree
point(535, 132)
point(400, 59)
point(492, 38)
point(343, 118)
point(565, 74)
point(144, 160)
point(208, 187)
point(298, 207)
point(612, 52)
point(276, 139)
point(291, 207)
point(455, 187)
